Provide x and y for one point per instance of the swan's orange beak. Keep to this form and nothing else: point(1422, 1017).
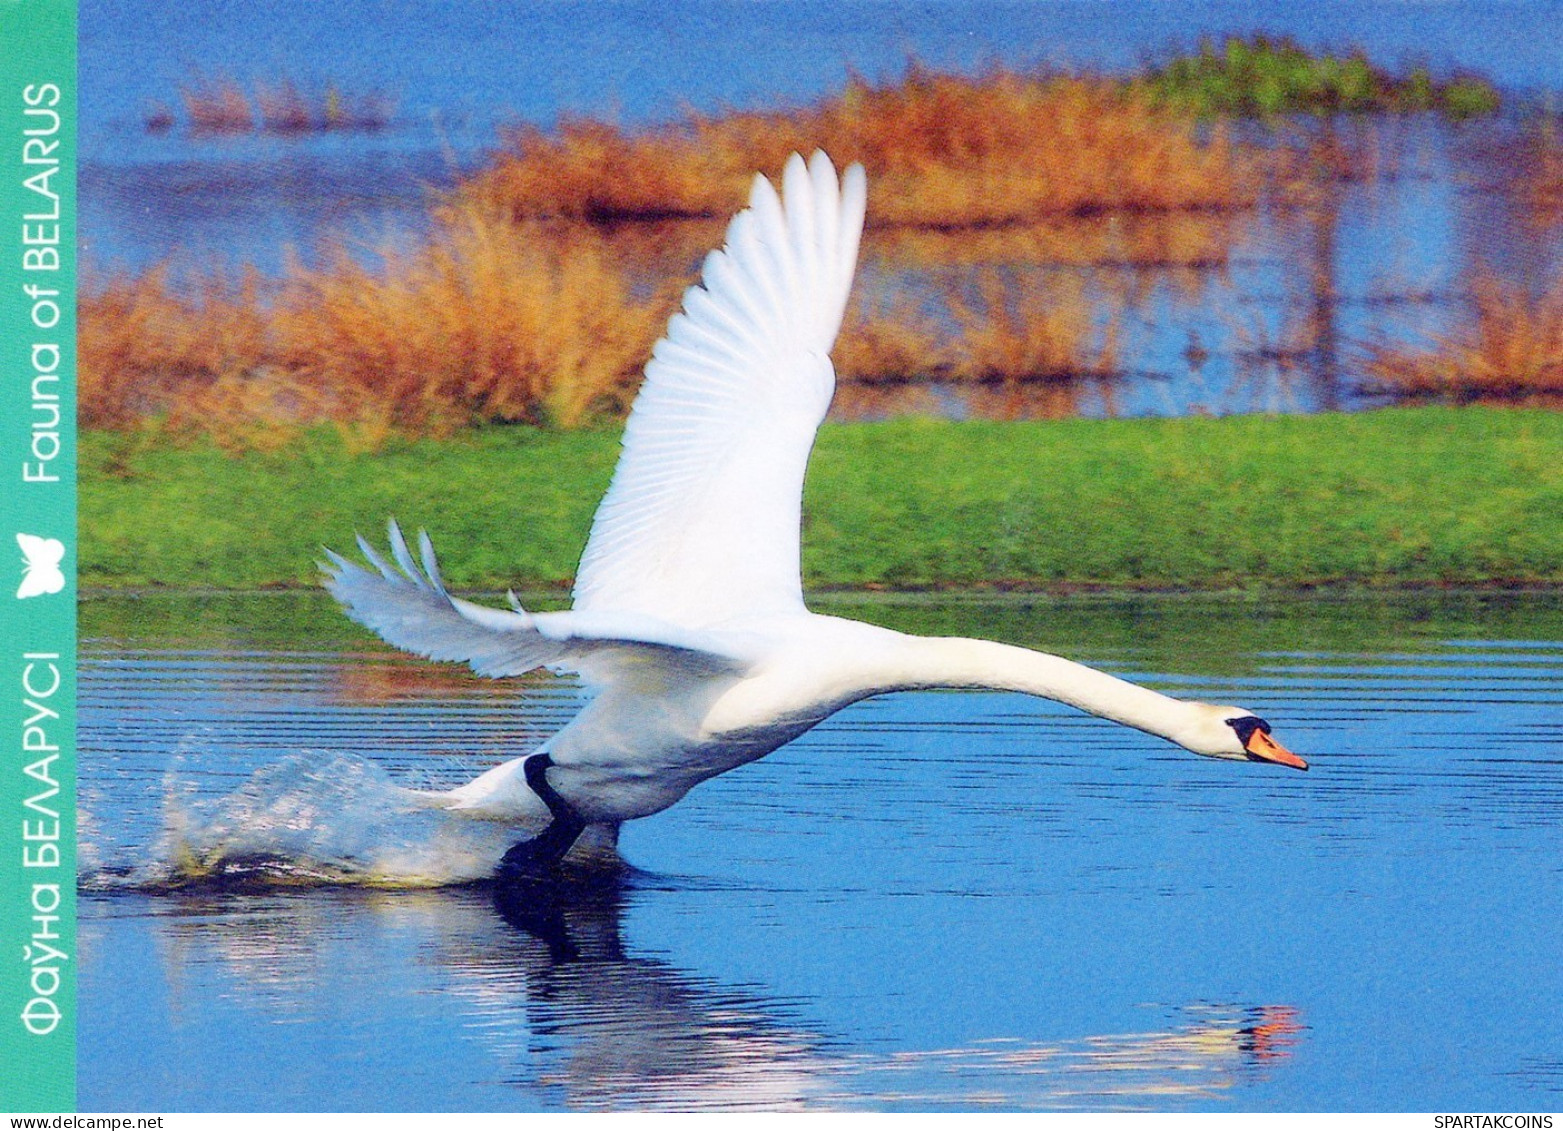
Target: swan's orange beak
point(1266, 749)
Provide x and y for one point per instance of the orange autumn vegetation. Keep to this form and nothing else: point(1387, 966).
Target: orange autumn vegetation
point(941, 150)
point(221, 105)
point(1542, 183)
point(532, 298)
point(484, 321)
point(1510, 351)
point(151, 345)
point(488, 321)
point(1012, 345)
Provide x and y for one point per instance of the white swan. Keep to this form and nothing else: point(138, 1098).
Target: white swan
point(688, 616)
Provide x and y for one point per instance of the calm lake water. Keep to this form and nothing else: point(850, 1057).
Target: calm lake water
point(1267, 311)
point(955, 900)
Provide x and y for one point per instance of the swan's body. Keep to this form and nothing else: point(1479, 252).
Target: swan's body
point(688, 616)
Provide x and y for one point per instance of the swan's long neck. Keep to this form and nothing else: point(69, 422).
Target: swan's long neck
point(959, 662)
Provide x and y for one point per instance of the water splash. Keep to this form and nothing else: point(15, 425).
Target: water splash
point(309, 819)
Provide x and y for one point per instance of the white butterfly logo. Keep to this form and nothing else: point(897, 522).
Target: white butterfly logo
point(42, 558)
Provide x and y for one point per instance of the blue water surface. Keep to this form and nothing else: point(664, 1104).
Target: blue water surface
point(972, 901)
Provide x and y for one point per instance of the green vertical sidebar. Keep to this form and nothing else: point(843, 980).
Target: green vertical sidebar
point(37, 555)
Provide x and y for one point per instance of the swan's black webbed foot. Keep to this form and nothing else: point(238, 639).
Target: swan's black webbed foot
point(531, 858)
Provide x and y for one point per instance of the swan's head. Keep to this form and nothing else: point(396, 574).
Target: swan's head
point(1232, 732)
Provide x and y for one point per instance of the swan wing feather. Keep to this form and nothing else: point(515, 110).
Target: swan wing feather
point(408, 606)
point(701, 522)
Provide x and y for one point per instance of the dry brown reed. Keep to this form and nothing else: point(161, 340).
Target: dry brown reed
point(1008, 344)
point(1010, 328)
point(1542, 178)
point(1315, 157)
point(1509, 352)
point(1196, 240)
point(484, 321)
point(283, 108)
point(220, 104)
point(893, 345)
point(859, 401)
point(188, 356)
point(1054, 400)
point(941, 151)
point(1521, 165)
point(150, 343)
point(217, 105)
point(512, 309)
point(489, 321)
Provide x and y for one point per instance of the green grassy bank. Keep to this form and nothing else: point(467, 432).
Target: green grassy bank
point(1398, 497)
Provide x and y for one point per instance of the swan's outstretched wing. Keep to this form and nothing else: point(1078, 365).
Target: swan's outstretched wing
point(409, 607)
point(701, 522)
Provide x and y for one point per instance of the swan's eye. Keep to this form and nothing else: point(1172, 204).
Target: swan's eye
point(1246, 726)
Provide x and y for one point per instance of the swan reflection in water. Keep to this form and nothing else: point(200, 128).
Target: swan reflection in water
point(571, 1017)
